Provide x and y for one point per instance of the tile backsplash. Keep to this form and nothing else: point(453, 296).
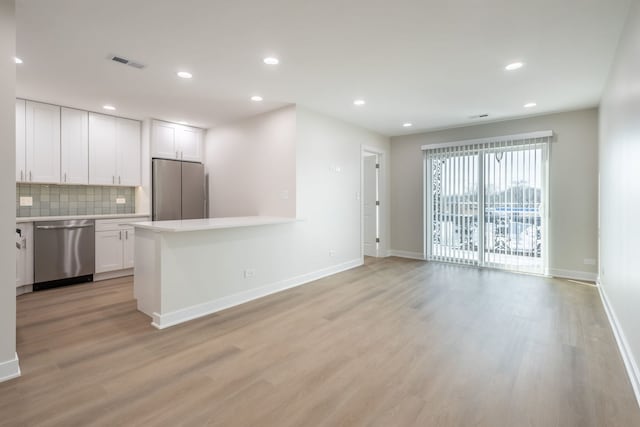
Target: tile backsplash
point(58, 200)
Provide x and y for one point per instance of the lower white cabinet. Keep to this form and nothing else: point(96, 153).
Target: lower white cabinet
point(114, 245)
point(24, 254)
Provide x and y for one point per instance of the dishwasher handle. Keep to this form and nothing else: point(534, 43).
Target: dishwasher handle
point(62, 227)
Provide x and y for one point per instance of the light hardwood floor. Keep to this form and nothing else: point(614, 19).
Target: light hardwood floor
point(393, 343)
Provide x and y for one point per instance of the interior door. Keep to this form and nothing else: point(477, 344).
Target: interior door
point(193, 188)
point(370, 197)
point(43, 142)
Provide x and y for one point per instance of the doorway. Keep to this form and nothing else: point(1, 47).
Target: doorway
point(371, 207)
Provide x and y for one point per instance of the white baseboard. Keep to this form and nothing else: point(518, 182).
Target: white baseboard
point(573, 274)
point(10, 369)
point(406, 254)
point(166, 320)
point(113, 274)
point(627, 356)
point(25, 289)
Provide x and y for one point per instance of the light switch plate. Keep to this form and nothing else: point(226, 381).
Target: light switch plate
point(121, 201)
point(26, 201)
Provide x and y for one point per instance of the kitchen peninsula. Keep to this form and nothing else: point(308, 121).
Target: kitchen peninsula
point(190, 268)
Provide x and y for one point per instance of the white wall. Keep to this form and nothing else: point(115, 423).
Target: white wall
point(251, 165)
point(330, 199)
point(8, 362)
point(256, 156)
point(620, 188)
point(573, 185)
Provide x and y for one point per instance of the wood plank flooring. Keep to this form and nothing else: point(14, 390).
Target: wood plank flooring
point(393, 343)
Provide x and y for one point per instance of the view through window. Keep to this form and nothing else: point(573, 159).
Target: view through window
point(486, 204)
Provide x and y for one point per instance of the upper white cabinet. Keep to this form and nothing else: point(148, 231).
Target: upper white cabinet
point(128, 152)
point(102, 149)
point(42, 143)
point(21, 140)
point(175, 141)
point(114, 150)
point(74, 161)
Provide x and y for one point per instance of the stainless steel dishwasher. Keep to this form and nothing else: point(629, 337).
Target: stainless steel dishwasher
point(64, 252)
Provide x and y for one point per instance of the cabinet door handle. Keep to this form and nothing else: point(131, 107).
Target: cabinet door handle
point(30, 178)
point(21, 175)
point(120, 235)
point(119, 180)
point(65, 177)
point(113, 179)
point(126, 234)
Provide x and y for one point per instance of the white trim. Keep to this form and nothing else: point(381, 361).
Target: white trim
point(24, 289)
point(623, 345)
point(112, 274)
point(516, 137)
point(10, 369)
point(573, 274)
point(406, 254)
point(162, 321)
point(384, 211)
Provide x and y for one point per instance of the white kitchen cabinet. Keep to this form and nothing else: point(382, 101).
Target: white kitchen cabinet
point(108, 251)
point(24, 254)
point(164, 144)
point(74, 146)
point(114, 244)
point(102, 149)
point(21, 141)
point(114, 150)
point(42, 143)
point(128, 247)
point(176, 142)
point(128, 152)
point(190, 143)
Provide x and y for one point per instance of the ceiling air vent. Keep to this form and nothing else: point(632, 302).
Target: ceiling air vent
point(126, 61)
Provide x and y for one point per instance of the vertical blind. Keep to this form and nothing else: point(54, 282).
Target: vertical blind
point(487, 200)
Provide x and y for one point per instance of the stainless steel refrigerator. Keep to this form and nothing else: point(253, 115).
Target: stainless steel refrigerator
point(179, 190)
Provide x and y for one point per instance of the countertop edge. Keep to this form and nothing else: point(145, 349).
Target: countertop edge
point(188, 228)
point(69, 217)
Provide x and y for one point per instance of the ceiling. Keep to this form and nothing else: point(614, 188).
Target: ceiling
point(433, 63)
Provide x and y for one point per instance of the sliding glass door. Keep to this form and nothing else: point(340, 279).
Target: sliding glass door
point(486, 204)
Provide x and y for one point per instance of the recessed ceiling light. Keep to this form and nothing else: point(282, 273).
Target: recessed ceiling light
point(407, 125)
point(184, 74)
point(271, 60)
point(530, 105)
point(256, 98)
point(18, 60)
point(109, 107)
point(359, 102)
point(514, 66)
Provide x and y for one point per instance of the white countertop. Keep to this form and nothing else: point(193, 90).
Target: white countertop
point(211, 223)
point(66, 217)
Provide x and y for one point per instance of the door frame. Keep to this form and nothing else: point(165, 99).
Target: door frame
point(383, 212)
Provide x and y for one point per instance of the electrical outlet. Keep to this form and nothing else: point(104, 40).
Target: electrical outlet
point(120, 200)
point(26, 201)
point(249, 273)
point(589, 261)
point(332, 253)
